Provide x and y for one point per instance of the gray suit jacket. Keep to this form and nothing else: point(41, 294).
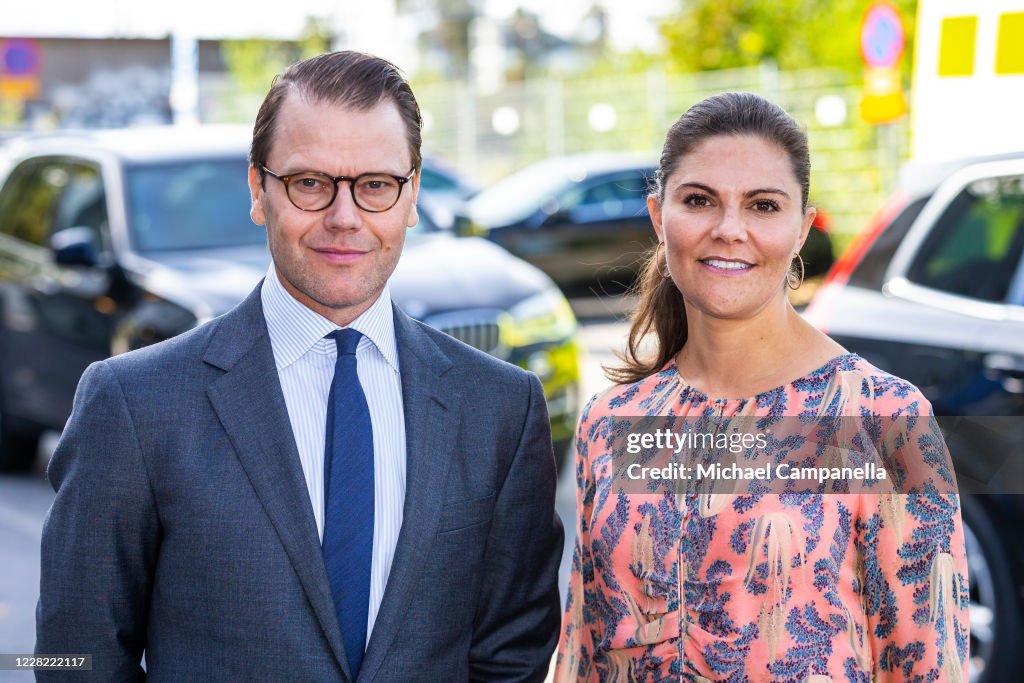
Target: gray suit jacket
point(182, 527)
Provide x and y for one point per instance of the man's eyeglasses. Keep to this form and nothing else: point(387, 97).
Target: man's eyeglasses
point(314, 191)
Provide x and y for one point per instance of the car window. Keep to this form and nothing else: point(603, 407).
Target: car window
point(431, 180)
point(975, 246)
point(609, 196)
point(618, 189)
point(28, 201)
point(43, 196)
point(199, 204)
point(870, 270)
point(83, 204)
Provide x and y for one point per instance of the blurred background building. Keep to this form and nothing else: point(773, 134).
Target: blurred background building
point(501, 84)
point(933, 290)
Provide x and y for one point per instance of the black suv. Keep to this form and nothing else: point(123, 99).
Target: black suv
point(113, 240)
point(933, 291)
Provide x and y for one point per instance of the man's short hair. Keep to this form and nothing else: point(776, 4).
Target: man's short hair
point(349, 78)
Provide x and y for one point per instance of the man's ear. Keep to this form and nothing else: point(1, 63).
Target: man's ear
point(414, 217)
point(256, 195)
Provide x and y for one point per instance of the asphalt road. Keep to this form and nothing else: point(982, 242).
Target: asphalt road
point(25, 499)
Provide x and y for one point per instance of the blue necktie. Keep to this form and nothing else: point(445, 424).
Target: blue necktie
point(348, 518)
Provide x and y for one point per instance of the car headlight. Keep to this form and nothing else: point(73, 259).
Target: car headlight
point(543, 317)
point(464, 226)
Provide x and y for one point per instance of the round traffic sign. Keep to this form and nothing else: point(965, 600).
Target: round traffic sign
point(19, 57)
point(882, 37)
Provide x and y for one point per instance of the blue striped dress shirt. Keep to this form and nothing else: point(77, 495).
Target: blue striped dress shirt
point(305, 368)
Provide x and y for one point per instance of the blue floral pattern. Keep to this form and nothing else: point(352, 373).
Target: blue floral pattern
point(793, 587)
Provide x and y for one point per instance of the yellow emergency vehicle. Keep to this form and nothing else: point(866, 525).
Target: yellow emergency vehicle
point(968, 82)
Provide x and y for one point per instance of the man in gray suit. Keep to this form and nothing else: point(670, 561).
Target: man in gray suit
point(314, 486)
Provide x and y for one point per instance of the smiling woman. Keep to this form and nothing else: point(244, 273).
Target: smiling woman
point(731, 212)
point(733, 221)
point(711, 584)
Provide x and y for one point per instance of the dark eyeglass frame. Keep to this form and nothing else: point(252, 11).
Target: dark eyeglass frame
point(286, 179)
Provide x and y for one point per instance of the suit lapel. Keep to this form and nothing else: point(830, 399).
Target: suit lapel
point(429, 445)
point(248, 401)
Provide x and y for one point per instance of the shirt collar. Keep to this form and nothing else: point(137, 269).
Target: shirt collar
point(294, 329)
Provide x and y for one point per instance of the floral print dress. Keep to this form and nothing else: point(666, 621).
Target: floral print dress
point(800, 587)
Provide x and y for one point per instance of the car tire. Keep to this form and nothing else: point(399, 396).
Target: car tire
point(18, 447)
point(996, 622)
point(18, 443)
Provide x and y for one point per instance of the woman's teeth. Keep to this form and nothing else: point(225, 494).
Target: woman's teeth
point(727, 265)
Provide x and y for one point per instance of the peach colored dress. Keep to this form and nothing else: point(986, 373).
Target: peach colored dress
point(778, 587)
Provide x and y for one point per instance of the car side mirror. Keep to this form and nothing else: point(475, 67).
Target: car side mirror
point(75, 247)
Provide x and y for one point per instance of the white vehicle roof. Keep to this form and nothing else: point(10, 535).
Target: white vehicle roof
point(141, 144)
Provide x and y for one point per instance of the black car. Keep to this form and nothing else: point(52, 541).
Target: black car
point(933, 291)
point(113, 240)
point(581, 219)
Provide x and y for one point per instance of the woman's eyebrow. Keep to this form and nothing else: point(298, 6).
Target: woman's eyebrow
point(750, 193)
point(767, 190)
point(697, 186)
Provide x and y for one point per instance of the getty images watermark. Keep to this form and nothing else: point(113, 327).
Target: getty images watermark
point(733, 442)
point(760, 455)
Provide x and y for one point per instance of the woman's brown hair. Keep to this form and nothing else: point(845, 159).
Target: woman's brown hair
point(660, 307)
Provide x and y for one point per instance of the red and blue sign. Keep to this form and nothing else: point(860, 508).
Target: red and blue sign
point(20, 57)
point(21, 61)
point(882, 38)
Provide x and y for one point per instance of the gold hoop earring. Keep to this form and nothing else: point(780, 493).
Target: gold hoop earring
point(792, 281)
point(664, 269)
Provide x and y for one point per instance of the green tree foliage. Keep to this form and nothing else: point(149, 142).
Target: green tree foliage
point(448, 25)
point(254, 62)
point(795, 34)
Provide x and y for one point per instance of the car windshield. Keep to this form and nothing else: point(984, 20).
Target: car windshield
point(194, 204)
point(520, 194)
